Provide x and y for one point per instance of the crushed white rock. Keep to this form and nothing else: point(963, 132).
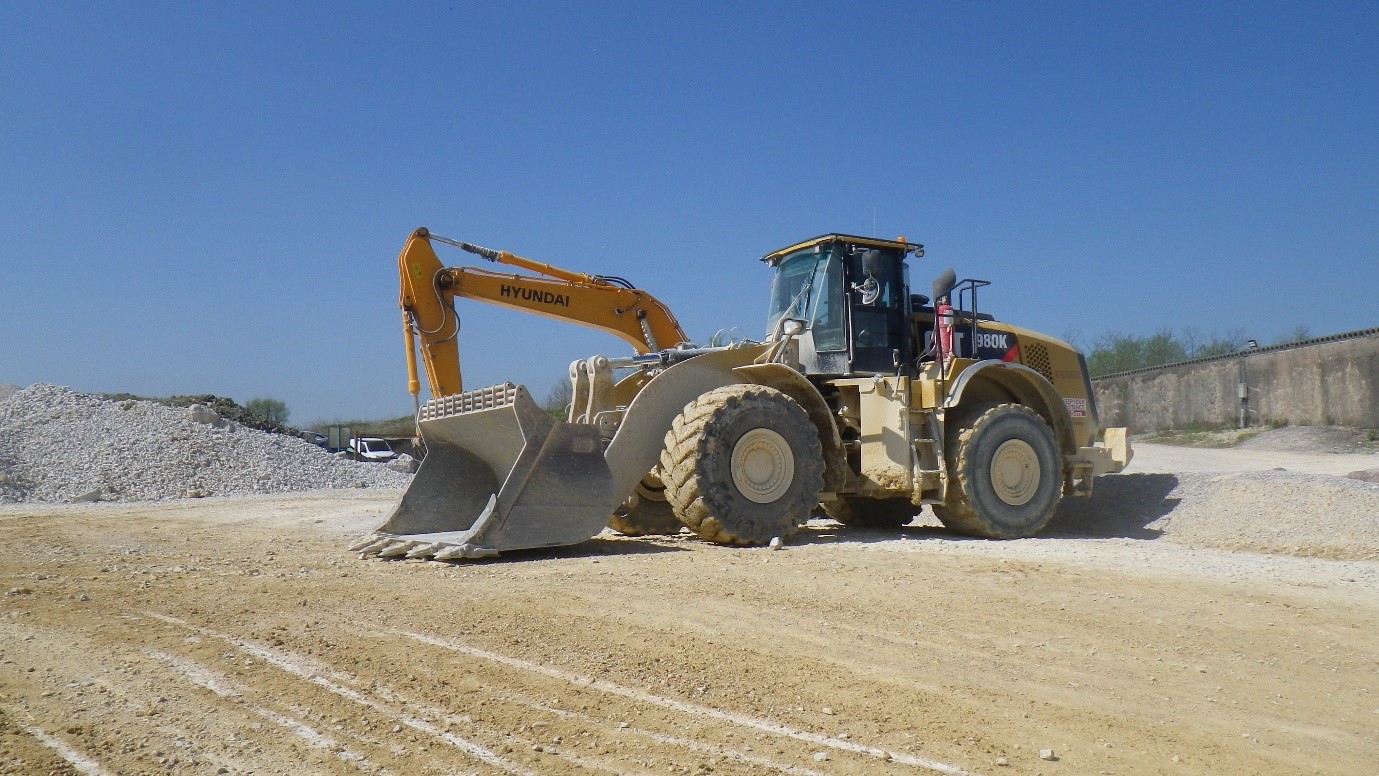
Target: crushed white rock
point(57, 445)
point(1277, 512)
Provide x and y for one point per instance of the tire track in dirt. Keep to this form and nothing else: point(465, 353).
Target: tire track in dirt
point(78, 760)
point(232, 709)
point(21, 751)
point(456, 719)
point(683, 707)
point(205, 678)
point(121, 711)
point(390, 703)
point(621, 729)
point(302, 669)
point(679, 741)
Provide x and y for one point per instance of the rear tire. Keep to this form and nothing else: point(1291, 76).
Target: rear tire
point(646, 512)
point(743, 465)
point(1005, 474)
point(871, 512)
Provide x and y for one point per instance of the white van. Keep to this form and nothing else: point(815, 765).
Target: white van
point(372, 449)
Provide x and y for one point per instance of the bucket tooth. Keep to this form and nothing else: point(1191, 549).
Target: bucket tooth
point(373, 547)
point(462, 551)
point(362, 543)
point(453, 552)
point(425, 550)
point(449, 553)
point(397, 549)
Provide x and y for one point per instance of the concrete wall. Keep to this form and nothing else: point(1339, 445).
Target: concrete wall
point(1333, 380)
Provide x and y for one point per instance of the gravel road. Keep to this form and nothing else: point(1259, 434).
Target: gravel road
point(235, 635)
point(1168, 459)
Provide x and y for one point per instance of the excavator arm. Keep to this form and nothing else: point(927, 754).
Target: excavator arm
point(429, 289)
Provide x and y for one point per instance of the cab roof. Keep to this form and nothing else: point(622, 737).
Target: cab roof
point(851, 239)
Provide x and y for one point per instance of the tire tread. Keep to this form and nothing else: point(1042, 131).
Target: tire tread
point(694, 435)
point(958, 514)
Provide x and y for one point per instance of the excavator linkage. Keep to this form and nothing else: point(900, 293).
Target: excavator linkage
point(499, 474)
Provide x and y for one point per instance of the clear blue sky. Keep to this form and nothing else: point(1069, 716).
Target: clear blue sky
point(210, 197)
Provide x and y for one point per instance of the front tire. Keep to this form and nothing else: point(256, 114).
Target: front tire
point(1005, 474)
point(743, 465)
point(646, 512)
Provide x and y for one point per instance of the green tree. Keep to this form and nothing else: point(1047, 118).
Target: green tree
point(1299, 333)
point(557, 403)
point(1115, 351)
point(1162, 347)
point(272, 411)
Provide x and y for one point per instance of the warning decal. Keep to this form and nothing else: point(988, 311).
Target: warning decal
point(1076, 407)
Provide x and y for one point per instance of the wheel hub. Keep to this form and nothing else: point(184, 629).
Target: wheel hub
point(763, 465)
point(1015, 472)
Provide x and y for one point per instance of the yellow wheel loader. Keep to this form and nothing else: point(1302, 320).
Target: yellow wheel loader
point(864, 400)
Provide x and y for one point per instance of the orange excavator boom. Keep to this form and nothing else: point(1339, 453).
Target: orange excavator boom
point(429, 289)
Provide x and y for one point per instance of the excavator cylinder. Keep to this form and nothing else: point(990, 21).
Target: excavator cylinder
point(499, 474)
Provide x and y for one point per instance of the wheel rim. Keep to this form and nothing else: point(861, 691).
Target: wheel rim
point(763, 465)
point(650, 493)
point(1015, 472)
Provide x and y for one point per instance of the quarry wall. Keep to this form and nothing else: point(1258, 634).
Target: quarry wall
point(1323, 381)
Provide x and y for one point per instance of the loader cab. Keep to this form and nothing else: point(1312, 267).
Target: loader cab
point(851, 296)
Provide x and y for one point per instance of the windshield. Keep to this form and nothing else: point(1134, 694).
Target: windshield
point(791, 288)
point(809, 286)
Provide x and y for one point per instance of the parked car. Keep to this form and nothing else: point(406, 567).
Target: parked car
point(372, 449)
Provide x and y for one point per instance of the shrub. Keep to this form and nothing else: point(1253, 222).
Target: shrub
point(273, 412)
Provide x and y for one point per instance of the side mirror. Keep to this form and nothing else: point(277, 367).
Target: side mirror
point(872, 263)
point(873, 266)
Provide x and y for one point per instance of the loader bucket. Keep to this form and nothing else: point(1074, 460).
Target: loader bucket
point(499, 474)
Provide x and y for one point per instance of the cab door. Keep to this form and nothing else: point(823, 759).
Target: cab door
point(877, 310)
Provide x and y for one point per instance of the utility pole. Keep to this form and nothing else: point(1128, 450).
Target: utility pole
point(1243, 386)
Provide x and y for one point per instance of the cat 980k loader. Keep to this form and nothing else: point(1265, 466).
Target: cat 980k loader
point(863, 399)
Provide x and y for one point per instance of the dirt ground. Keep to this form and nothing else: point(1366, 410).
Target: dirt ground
point(238, 636)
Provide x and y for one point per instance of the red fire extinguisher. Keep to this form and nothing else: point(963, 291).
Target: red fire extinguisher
point(945, 329)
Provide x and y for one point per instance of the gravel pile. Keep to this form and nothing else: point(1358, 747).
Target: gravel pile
point(1272, 512)
point(58, 445)
point(1313, 439)
point(1276, 512)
